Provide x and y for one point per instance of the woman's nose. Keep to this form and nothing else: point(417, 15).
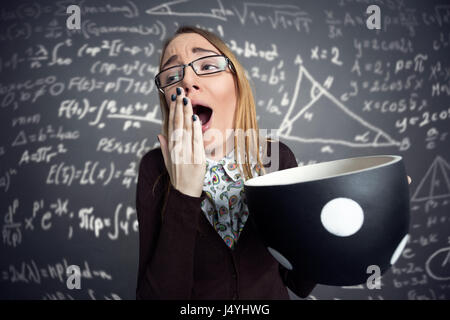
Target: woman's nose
point(190, 80)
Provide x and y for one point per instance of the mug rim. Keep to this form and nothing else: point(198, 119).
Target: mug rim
point(291, 175)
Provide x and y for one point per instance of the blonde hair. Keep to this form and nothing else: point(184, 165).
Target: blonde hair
point(245, 114)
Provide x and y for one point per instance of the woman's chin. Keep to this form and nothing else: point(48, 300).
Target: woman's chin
point(210, 149)
point(209, 146)
point(208, 140)
point(213, 141)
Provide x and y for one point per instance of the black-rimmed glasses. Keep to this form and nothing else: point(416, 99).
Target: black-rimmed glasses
point(204, 65)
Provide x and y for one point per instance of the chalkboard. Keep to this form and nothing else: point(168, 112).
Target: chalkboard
point(79, 109)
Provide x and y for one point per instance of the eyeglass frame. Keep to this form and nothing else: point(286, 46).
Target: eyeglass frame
point(229, 63)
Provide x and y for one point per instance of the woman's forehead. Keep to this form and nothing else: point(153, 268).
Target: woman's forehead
point(183, 44)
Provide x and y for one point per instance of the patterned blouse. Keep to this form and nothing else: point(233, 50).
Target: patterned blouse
point(225, 205)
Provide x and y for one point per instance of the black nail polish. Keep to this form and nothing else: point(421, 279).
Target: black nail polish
point(185, 101)
point(178, 91)
point(173, 97)
point(194, 117)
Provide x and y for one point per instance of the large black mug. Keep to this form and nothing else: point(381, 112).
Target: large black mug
point(336, 221)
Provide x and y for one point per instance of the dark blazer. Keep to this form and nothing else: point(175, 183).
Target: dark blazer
point(182, 257)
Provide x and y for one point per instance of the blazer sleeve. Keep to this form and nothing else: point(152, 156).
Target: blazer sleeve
point(166, 245)
point(300, 285)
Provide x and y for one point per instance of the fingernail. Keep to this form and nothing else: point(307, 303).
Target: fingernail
point(178, 90)
point(194, 117)
point(173, 97)
point(185, 101)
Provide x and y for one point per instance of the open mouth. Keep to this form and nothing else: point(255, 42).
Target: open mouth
point(204, 113)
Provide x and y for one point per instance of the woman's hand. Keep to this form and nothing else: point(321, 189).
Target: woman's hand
point(409, 180)
point(184, 155)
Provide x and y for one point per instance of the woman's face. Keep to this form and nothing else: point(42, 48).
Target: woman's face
point(218, 91)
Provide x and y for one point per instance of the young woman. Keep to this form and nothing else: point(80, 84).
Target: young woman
point(197, 238)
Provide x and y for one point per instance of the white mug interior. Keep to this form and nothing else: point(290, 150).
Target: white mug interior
point(322, 170)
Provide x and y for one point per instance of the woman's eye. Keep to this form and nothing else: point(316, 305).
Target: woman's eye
point(205, 67)
point(171, 78)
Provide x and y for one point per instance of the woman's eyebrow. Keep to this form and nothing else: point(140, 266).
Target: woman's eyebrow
point(194, 50)
point(197, 49)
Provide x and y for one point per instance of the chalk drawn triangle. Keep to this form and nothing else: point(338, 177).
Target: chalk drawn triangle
point(176, 8)
point(20, 140)
point(312, 104)
point(436, 183)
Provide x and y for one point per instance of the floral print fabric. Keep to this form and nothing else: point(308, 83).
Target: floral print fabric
point(225, 205)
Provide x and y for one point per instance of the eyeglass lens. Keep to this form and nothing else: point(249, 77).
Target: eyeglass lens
point(204, 65)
